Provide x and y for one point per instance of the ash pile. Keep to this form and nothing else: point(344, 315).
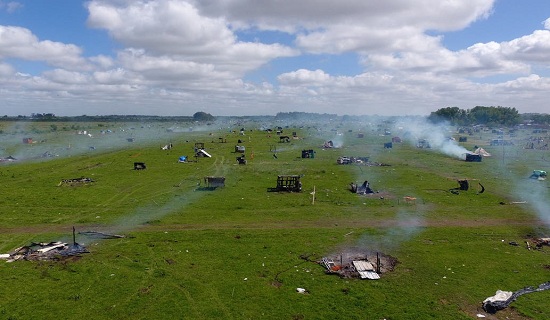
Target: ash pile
point(359, 264)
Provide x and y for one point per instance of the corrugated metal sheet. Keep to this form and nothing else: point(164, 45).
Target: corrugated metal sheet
point(366, 270)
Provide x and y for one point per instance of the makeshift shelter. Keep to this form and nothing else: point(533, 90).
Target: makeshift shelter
point(462, 139)
point(388, 145)
point(214, 182)
point(396, 140)
point(289, 183)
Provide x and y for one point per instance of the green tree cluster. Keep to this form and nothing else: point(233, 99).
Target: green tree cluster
point(491, 116)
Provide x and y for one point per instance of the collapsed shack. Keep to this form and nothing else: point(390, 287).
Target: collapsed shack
point(359, 264)
point(75, 181)
point(503, 299)
point(45, 251)
point(361, 189)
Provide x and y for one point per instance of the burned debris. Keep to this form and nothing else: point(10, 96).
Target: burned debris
point(45, 251)
point(55, 250)
point(359, 264)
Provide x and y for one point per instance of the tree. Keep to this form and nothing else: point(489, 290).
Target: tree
point(203, 116)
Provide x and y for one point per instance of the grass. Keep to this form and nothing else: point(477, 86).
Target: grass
point(237, 252)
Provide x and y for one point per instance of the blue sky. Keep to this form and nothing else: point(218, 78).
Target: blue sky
point(245, 57)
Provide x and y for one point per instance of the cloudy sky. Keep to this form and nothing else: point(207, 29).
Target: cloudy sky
point(249, 57)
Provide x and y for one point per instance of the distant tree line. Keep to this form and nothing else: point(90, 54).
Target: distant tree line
point(491, 116)
point(304, 116)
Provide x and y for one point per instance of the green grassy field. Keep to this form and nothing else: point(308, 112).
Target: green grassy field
point(237, 252)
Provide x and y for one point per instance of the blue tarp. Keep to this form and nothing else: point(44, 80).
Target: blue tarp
point(183, 159)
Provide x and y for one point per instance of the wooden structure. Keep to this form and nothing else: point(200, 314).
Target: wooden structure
point(289, 183)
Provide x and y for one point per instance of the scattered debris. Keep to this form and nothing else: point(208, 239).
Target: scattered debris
point(301, 290)
point(503, 299)
point(76, 181)
point(139, 166)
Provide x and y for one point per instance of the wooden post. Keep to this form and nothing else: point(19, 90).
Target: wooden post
point(313, 196)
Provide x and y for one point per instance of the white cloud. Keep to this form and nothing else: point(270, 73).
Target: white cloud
point(10, 6)
point(175, 31)
point(20, 43)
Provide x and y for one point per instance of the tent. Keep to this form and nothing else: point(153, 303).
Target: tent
point(183, 159)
